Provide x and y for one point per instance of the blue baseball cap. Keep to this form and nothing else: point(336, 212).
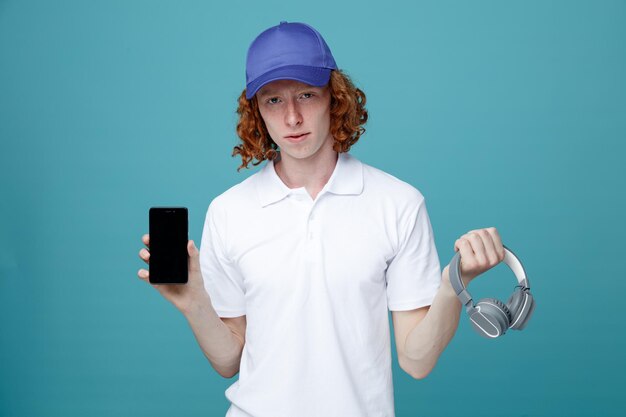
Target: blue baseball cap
point(288, 51)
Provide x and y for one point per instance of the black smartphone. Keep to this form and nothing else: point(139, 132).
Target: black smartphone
point(168, 245)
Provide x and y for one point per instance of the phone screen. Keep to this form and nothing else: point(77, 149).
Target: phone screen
point(168, 245)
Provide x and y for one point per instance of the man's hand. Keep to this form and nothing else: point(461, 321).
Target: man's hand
point(183, 296)
point(481, 250)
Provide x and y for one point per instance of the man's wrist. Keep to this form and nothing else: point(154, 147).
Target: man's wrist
point(446, 286)
point(200, 304)
point(465, 279)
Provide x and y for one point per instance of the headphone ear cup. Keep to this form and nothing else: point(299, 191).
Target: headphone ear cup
point(521, 305)
point(515, 305)
point(506, 313)
point(491, 318)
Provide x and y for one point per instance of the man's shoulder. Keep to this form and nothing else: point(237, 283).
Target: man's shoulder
point(384, 183)
point(242, 194)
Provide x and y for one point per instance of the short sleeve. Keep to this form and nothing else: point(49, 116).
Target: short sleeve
point(414, 274)
point(222, 280)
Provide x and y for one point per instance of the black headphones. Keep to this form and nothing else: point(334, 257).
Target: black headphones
point(490, 317)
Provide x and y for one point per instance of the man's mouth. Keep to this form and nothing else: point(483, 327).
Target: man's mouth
point(296, 137)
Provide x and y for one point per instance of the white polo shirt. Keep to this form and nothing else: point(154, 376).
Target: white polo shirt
point(315, 279)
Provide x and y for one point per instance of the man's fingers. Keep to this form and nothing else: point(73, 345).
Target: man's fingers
point(465, 248)
point(478, 246)
point(480, 250)
point(146, 239)
point(145, 255)
point(493, 257)
point(497, 241)
point(487, 245)
point(143, 274)
point(492, 245)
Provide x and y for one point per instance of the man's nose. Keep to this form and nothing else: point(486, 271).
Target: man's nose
point(293, 117)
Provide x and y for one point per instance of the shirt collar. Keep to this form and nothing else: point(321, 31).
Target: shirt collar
point(347, 178)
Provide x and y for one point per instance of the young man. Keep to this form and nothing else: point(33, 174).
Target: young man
point(300, 263)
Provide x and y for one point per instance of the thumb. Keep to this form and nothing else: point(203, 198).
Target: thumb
point(191, 248)
point(194, 258)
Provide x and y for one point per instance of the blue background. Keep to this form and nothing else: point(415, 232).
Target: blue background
point(506, 114)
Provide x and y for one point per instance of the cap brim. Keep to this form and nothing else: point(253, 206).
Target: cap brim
point(309, 75)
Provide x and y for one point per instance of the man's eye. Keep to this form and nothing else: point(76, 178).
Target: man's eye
point(307, 94)
point(270, 100)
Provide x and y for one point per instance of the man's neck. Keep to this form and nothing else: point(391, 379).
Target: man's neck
point(312, 173)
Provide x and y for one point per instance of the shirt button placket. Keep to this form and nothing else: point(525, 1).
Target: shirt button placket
point(311, 224)
point(310, 230)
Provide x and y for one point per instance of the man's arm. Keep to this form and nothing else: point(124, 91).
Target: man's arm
point(422, 334)
point(221, 339)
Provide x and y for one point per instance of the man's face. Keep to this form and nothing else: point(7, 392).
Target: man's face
point(290, 108)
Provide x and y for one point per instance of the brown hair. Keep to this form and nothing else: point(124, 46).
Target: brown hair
point(347, 117)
